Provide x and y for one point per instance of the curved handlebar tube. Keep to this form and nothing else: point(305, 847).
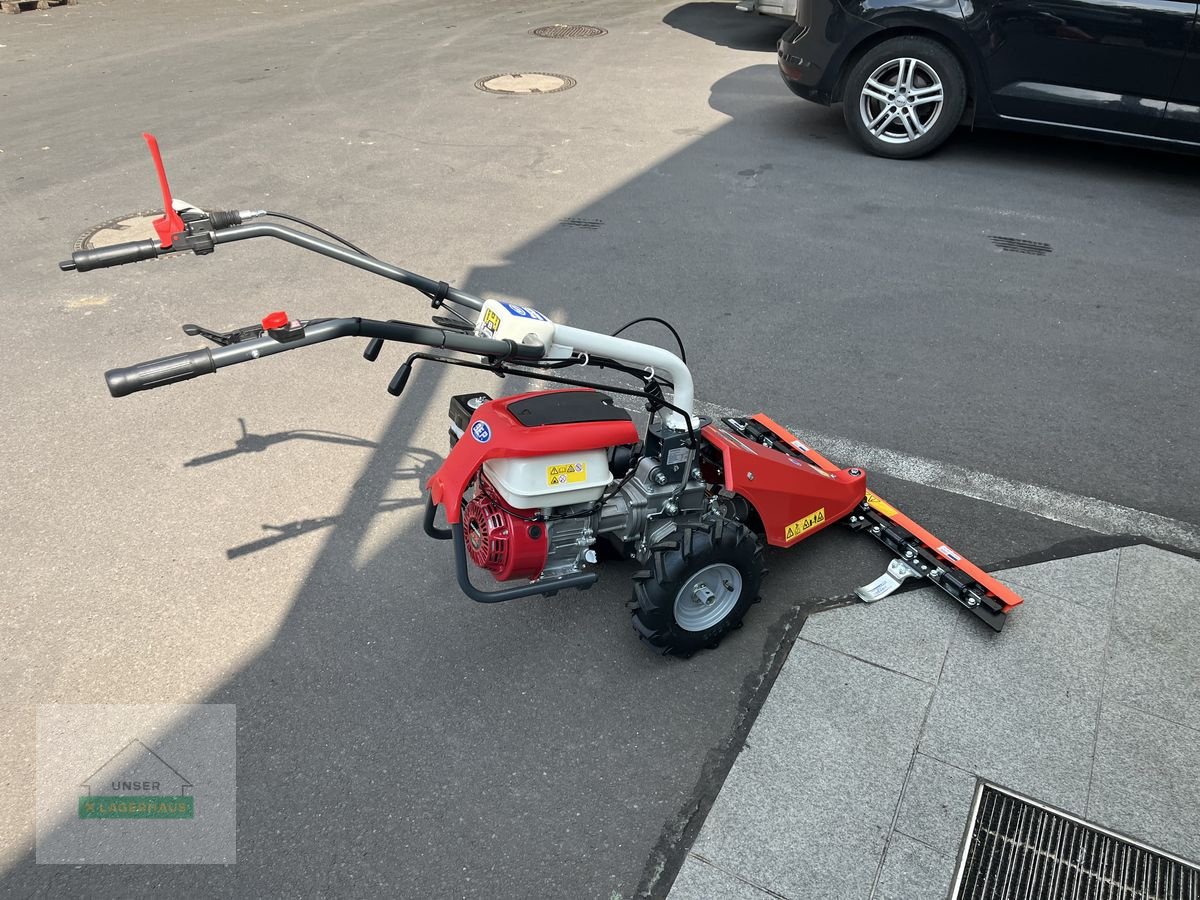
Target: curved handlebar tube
point(135, 251)
point(159, 372)
point(334, 251)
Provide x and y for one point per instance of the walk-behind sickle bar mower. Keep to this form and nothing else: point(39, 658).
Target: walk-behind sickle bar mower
point(536, 483)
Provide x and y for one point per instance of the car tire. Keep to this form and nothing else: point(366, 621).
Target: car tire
point(904, 97)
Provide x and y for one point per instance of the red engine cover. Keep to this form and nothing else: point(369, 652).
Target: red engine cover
point(496, 432)
point(503, 543)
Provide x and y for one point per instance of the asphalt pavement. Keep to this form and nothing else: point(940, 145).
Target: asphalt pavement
point(254, 538)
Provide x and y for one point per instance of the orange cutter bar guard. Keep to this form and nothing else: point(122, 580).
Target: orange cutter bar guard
point(919, 553)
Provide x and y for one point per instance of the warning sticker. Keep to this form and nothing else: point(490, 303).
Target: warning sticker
point(490, 322)
point(809, 522)
point(881, 505)
point(567, 473)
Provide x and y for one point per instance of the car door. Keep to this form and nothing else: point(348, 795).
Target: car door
point(1096, 64)
point(1182, 119)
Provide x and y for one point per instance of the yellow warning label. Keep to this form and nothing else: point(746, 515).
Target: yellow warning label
point(881, 505)
point(491, 321)
point(568, 473)
point(809, 522)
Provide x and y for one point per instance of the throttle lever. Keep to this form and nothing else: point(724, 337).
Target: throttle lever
point(224, 338)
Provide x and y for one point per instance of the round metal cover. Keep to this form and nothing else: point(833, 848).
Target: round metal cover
point(569, 31)
point(526, 83)
point(136, 226)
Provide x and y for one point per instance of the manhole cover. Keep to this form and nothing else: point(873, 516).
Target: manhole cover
point(136, 226)
point(1018, 848)
point(1020, 245)
point(526, 83)
point(569, 31)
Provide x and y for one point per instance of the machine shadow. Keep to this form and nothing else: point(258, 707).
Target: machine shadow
point(395, 739)
point(257, 443)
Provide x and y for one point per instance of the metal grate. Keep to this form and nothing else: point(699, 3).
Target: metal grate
point(569, 31)
point(1018, 847)
point(1020, 245)
point(576, 222)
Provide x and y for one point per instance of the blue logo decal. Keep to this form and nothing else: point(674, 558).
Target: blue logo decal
point(524, 312)
point(481, 432)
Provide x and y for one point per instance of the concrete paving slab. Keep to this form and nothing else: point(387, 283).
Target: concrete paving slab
point(698, 880)
point(913, 871)
point(907, 633)
point(1020, 707)
point(935, 804)
point(1032, 709)
point(1144, 781)
point(1089, 580)
point(807, 807)
point(1152, 653)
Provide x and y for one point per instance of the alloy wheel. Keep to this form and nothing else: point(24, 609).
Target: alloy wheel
point(901, 100)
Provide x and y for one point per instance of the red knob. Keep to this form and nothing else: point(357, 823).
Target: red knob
point(278, 319)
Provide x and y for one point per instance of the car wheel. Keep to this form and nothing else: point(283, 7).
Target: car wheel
point(904, 97)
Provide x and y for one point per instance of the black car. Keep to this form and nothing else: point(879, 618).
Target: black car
point(908, 72)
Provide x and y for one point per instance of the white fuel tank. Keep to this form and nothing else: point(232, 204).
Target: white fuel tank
point(555, 479)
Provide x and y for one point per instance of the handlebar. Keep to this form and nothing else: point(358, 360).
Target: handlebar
point(225, 227)
point(112, 255)
point(157, 372)
point(168, 370)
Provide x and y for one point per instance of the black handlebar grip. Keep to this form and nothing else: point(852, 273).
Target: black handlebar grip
point(112, 255)
point(157, 372)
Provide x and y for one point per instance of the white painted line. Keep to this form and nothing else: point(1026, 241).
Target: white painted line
point(1046, 503)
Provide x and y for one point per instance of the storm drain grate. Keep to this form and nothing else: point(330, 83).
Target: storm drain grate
point(1020, 848)
point(1020, 245)
point(575, 222)
point(569, 31)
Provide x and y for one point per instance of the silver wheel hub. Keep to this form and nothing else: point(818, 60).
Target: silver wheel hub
point(708, 597)
point(901, 100)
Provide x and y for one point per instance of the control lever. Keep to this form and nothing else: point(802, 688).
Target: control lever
point(375, 345)
point(454, 324)
point(400, 379)
point(371, 353)
point(224, 338)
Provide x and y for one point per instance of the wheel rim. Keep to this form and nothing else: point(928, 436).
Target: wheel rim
point(901, 100)
point(707, 597)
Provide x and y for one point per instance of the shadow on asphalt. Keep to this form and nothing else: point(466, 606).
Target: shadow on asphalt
point(395, 739)
point(726, 27)
point(1014, 151)
point(257, 443)
point(412, 479)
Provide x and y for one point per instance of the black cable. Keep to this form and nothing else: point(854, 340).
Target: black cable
point(324, 231)
point(664, 322)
